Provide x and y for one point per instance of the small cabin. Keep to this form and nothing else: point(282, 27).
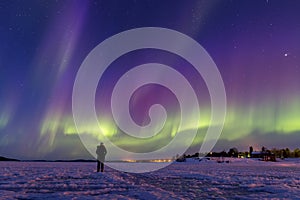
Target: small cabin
point(264, 156)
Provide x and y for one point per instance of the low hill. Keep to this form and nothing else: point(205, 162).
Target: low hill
point(7, 159)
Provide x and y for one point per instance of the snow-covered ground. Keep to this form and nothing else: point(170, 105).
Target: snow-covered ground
point(238, 179)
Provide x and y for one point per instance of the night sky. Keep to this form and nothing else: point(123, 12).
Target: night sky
point(255, 44)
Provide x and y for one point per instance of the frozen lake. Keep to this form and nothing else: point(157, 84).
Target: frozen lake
point(239, 179)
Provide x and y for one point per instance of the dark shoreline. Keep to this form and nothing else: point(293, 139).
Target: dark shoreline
point(8, 159)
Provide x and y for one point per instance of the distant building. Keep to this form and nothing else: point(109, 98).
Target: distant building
point(256, 154)
point(264, 155)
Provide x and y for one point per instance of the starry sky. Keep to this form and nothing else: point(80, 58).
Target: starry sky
point(255, 44)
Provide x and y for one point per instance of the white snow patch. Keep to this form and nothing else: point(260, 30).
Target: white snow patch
point(207, 179)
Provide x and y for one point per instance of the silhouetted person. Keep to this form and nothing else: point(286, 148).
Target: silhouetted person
point(101, 153)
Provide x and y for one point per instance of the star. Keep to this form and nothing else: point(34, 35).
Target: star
point(285, 55)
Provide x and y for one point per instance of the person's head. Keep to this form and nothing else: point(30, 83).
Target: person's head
point(101, 143)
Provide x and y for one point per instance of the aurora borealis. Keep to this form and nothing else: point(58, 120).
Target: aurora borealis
point(255, 44)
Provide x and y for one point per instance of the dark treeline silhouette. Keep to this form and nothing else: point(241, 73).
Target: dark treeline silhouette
point(279, 153)
point(286, 153)
point(264, 154)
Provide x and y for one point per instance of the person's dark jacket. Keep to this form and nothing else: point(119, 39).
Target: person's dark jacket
point(101, 152)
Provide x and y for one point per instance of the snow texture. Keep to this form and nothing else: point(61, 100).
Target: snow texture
point(238, 179)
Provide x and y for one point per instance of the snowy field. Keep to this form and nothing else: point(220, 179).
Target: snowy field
point(239, 179)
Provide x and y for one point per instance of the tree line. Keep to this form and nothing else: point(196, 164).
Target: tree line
point(233, 152)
